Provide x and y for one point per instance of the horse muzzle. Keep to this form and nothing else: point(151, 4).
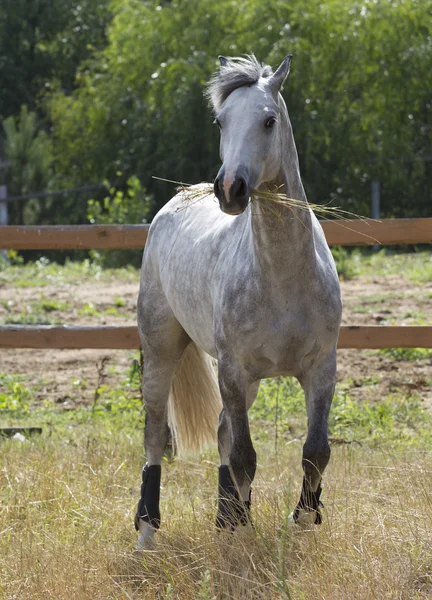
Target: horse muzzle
point(233, 193)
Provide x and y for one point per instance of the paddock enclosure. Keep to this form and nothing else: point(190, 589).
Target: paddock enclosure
point(364, 232)
point(68, 496)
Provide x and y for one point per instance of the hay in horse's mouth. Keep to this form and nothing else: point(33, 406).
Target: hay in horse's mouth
point(195, 192)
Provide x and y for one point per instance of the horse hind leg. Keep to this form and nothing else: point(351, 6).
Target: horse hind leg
point(319, 389)
point(158, 373)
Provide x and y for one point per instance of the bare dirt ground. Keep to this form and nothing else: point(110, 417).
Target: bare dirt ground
point(70, 377)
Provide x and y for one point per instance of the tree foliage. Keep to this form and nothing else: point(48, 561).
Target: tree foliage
point(43, 42)
point(358, 95)
point(29, 151)
point(120, 85)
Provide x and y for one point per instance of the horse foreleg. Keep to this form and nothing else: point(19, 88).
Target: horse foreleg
point(237, 455)
point(157, 379)
point(318, 386)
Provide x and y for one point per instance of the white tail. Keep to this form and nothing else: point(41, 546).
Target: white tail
point(194, 402)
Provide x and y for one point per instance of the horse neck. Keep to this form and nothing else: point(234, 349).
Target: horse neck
point(283, 233)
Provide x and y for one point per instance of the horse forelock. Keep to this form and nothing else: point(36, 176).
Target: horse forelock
point(237, 72)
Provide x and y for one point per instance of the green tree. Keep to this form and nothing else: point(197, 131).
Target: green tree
point(29, 151)
point(358, 95)
point(42, 41)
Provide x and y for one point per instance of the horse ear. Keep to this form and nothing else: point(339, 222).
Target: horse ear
point(277, 79)
point(223, 61)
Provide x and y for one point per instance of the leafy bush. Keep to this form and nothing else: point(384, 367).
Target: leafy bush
point(346, 262)
point(120, 208)
point(16, 397)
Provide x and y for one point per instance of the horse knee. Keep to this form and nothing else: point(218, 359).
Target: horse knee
point(316, 455)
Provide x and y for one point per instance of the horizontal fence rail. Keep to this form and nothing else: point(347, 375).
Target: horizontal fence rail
point(74, 237)
point(353, 232)
point(85, 237)
point(127, 338)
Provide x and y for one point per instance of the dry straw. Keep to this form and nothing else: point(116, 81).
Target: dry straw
point(270, 199)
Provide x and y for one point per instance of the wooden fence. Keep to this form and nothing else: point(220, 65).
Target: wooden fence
point(365, 232)
point(344, 233)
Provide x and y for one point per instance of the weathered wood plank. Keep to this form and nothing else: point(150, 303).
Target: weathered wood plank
point(385, 336)
point(87, 237)
point(64, 336)
point(73, 237)
point(386, 232)
point(106, 337)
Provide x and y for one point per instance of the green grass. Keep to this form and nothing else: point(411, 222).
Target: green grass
point(71, 494)
point(278, 411)
point(30, 318)
point(89, 310)
point(415, 267)
point(43, 273)
point(49, 305)
point(119, 302)
point(411, 354)
point(35, 313)
point(69, 497)
point(397, 418)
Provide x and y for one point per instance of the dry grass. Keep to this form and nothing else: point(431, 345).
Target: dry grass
point(269, 199)
point(272, 201)
point(66, 524)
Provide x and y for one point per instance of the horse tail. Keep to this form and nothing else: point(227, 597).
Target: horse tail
point(194, 402)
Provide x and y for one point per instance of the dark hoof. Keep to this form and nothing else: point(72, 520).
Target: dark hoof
point(309, 502)
point(232, 511)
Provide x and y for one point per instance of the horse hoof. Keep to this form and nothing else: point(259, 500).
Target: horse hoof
point(303, 519)
point(145, 536)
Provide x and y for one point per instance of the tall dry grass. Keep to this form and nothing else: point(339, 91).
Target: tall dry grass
point(66, 525)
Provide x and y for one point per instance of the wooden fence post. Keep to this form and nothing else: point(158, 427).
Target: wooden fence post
point(3, 216)
point(376, 204)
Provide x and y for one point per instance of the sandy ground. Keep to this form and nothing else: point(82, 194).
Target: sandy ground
point(70, 377)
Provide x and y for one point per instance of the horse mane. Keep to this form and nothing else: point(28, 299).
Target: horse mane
point(237, 72)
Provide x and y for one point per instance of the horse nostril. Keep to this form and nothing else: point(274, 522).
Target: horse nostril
point(239, 188)
point(217, 188)
point(243, 187)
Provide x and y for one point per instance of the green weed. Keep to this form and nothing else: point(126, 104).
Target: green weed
point(415, 266)
point(29, 318)
point(395, 418)
point(16, 397)
point(407, 353)
point(362, 310)
point(42, 273)
point(48, 305)
point(347, 263)
point(280, 406)
point(89, 310)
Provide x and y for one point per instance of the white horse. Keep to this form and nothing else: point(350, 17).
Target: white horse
point(234, 281)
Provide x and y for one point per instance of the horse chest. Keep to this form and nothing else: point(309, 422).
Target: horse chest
point(268, 342)
point(281, 347)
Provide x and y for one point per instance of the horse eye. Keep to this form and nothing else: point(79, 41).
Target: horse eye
point(217, 122)
point(270, 122)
